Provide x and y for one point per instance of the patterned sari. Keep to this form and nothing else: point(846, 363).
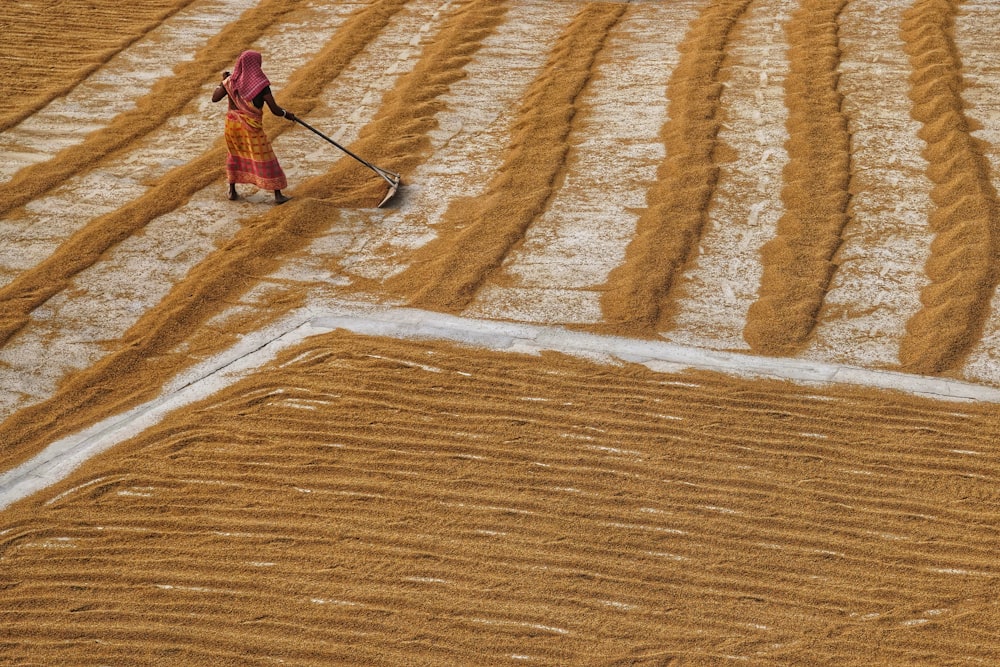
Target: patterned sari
point(251, 158)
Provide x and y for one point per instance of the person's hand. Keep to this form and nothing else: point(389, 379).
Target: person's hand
point(225, 75)
point(290, 116)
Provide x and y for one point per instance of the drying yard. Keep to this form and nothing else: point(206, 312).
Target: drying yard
point(679, 344)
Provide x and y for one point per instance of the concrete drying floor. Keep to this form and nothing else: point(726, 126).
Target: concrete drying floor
point(677, 346)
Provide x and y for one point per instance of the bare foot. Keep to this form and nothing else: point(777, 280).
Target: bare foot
point(233, 196)
point(280, 198)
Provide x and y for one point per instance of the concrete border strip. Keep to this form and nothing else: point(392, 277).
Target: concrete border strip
point(59, 459)
point(62, 457)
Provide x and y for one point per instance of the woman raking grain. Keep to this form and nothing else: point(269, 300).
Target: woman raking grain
point(251, 158)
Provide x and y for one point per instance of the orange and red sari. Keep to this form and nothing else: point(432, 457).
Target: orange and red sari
point(251, 158)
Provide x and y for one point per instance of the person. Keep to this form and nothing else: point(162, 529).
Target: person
point(250, 158)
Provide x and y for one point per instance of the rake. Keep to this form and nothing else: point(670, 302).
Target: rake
point(392, 179)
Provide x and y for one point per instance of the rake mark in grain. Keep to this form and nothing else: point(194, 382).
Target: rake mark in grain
point(428, 504)
point(397, 137)
point(475, 234)
point(38, 67)
point(963, 265)
point(798, 262)
point(146, 355)
point(667, 232)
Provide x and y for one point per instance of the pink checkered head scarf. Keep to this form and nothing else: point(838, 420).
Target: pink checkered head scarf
point(248, 79)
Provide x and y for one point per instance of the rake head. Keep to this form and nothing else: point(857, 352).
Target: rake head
point(394, 181)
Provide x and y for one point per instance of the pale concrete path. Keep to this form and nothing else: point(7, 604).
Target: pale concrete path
point(976, 30)
point(66, 333)
point(888, 239)
point(715, 294)
point(114, 88)
point(59, 459)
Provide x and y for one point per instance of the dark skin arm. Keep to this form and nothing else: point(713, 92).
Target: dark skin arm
point(275, 109)
point(220, 90)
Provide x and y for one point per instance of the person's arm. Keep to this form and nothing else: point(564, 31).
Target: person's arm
point(220, 90)
point(275, 109)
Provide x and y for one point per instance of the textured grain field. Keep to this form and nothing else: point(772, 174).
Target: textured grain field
point(806, 180)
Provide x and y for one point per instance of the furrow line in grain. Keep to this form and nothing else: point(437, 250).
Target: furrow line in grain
point(578, 389)
point(476, 234)
point(148, 639)
point(880, 263)
point(441, 569)
point(975, 26)
point(393, 539)
point(166, 98)
point(375, 593)
point(840, 417)
point(859, 503)
point(859, 530)
point(555, 274)
point(576, 596)
point(962, 267)
point(143, 360)
point(464, 151)
point(363, 616)
point(798, 261)
point(952, 430)
point(621, 417)
point(397, 136)
point(929, 632)
point(38, 65)
point(859, 533)
point(715, 291)
point(830, 482)
point(637, 295)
